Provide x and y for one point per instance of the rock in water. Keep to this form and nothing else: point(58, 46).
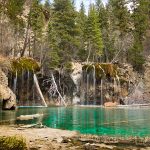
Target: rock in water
point(29, 117)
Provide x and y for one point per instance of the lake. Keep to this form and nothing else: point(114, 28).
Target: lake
point(88, 120)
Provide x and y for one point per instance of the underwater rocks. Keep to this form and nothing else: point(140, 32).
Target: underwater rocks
point(29, 117)
point(7, 97)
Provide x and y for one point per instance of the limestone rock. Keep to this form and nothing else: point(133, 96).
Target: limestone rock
point(7, 96)
point(146, 81)
point(110, 104)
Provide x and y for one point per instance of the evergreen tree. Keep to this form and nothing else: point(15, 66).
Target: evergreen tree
point(66, 30)
point(140, 17)
point(81, 22)
point(53, 51)
point(105, 19)
point(122, 28)
point(109, 35)
point(121, 14)
point(93, 35)
point(13, 9)
point(36, 18)
point(102, 14)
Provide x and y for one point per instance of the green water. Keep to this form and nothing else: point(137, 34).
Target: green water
point(99, 121)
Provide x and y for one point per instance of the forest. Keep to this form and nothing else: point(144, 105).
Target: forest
point(56, 34)
point(74, 77)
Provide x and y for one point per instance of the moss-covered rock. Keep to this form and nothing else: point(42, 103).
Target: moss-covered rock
point(101, 69)
point(24, 63)
point(13, 143)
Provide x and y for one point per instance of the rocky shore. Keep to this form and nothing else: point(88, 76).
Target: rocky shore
point(54, 139)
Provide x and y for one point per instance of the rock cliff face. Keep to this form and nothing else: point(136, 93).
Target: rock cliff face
point(146, 80)
point(7, 97)
point(123, 85)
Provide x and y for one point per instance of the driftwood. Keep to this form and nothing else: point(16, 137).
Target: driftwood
point(39, 90)
point(56, 88)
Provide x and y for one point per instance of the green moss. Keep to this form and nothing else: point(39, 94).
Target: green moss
point(24, 63)
point(68, 66)
point(101, 69)
point(13, 143)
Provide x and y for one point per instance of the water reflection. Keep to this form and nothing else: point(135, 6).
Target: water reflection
point(101, 121)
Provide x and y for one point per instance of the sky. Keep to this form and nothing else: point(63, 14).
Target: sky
point(86, 3)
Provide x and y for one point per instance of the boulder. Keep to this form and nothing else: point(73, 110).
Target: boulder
point(110, 104)
point(7, 96)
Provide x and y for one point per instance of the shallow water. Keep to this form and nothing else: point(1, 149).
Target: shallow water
point(88, 120)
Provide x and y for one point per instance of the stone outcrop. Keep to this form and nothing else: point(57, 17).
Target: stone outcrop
point(7, 97)
point(122, 85)
point(146, 80)
point(141, 92)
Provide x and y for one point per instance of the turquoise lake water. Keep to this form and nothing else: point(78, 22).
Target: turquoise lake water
point(96, 120)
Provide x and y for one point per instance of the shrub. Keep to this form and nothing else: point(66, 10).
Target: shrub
point(13, 143)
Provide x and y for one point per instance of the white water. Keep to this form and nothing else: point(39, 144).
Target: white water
point(15, 83)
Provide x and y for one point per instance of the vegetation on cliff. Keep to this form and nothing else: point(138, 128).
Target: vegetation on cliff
point(55, 33)
point(24, 63)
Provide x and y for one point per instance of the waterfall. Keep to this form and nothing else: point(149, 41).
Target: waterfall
point(94, 84)
point(38, 89)
point(119, 85)
point(28, 84)
point(33, 88)
point(15, 82)
point(87, 89)
point(102, 92)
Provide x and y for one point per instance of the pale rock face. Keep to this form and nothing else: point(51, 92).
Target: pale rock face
point(76, 77)
point(7, 96)
point(147, 79)
point(77, 72)
point(110, 104)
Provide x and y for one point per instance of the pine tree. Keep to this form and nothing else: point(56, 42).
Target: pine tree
point(81, 22)
point(121, 14)
point(53, 51)
point(102, 13)
point(13, 9)
point(93, 35)
point(121, 17)
point(140, 17)
point(36, 18)
point(108, 31)
point(66, 30)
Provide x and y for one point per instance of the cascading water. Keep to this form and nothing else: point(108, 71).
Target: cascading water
point(94, 84)
point(15, 83)
point(87, 90)
point(100, 84)
point(28, 84)
point(102, 92)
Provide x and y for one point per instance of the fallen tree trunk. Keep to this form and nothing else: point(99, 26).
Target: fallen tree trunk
point(39, 90)
point(54, 82)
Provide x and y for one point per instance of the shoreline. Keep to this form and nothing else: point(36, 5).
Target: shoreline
point(44, 138)
point(116, 107)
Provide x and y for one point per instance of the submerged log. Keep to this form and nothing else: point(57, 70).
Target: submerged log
point(29, 117)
